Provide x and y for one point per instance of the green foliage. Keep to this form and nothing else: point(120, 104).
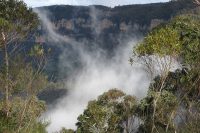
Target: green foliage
point(23, 116)
point(191, 124)
point(20, 18)
point(179, 38)
point(4, 24)
point(23, 78)
point(176, 91)
point(67, 131)
point(37, 50)
point(166, 108)
point(162, 42)
point(24, 108)
point(107, 113)
point(188, 27)
point(20, 79)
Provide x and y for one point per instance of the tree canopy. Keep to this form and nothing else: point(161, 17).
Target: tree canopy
point(174, 92)
point(108, 113)
point(20, 78)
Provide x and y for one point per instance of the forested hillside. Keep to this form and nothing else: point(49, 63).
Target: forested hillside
point(69, 19)
point(101, 27)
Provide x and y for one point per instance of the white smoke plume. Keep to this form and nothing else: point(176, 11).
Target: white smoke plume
point(98, 75)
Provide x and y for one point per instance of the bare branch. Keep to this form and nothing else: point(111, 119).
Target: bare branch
point(3, 36)
point(197, 2)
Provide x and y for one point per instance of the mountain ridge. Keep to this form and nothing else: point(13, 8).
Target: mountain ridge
point(88, 21)
point(102, 27)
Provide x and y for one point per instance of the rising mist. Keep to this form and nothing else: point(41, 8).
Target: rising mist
point(97, 74)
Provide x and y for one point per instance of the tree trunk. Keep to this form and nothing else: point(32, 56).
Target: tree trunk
point(6, 63)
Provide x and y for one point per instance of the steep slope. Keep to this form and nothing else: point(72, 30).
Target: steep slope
point(95, 28)
point(89, 21)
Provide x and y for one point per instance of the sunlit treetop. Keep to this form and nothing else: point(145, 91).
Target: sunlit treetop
point(16, 18)
point(178, 38)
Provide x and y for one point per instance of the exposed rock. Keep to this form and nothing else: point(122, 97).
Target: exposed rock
point(105, 24)
point(155, 22)
point(124, 27)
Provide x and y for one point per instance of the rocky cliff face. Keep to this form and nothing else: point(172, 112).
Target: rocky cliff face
point(96, 27)
point(89, 21)
point(103, 27)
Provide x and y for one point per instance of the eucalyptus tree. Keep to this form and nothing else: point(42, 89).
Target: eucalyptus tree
point(178, 39)
point(16, 23)
point(20, 78)
point(108, 114)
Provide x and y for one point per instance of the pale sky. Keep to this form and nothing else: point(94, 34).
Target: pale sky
point(110, 3)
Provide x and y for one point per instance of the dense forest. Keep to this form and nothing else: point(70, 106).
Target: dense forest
point(171, 105)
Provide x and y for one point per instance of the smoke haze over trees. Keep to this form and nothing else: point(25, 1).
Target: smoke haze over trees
point(97, 71)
